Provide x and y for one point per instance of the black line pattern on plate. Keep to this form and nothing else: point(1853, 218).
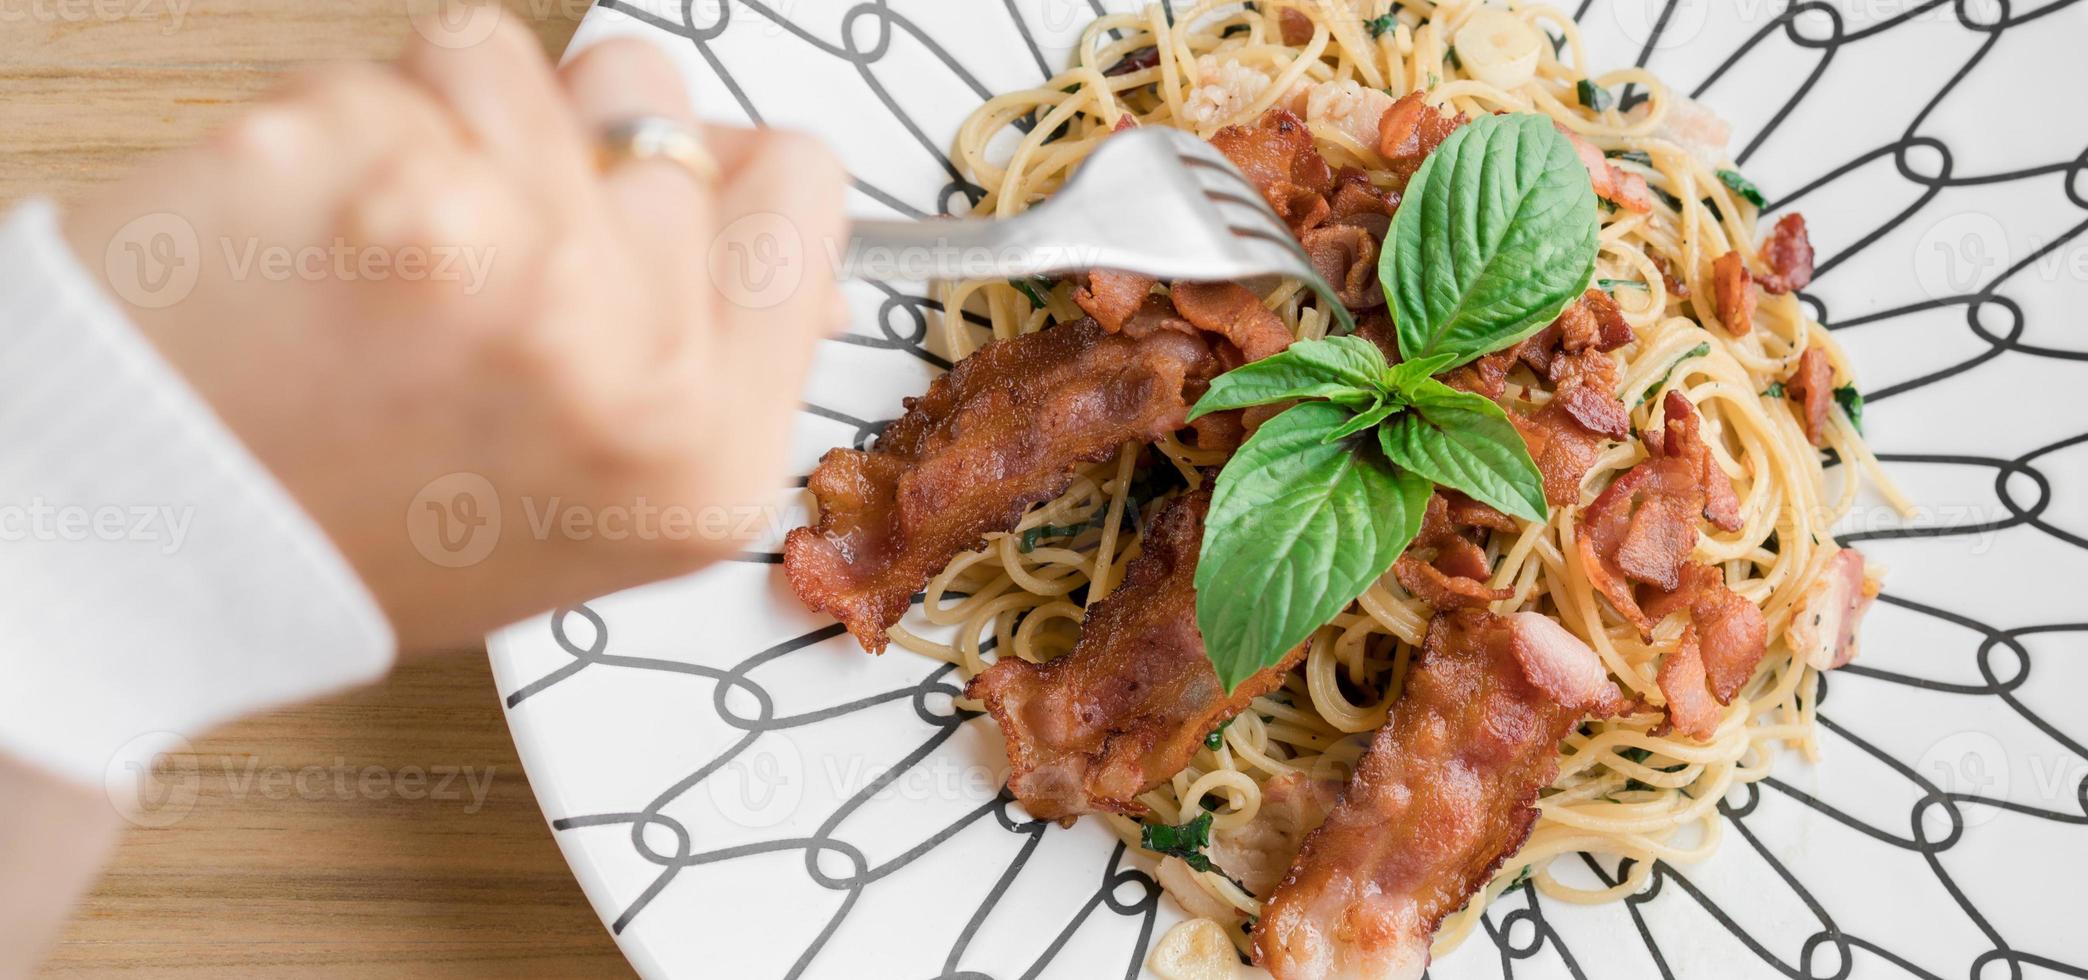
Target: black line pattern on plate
point(1520, 926)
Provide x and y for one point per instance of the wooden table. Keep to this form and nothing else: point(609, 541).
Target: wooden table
point(341, 877)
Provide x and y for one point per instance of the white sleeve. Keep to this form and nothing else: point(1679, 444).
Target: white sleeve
point(155, 580)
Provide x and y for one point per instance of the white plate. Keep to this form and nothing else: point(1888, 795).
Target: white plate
point(743, 793)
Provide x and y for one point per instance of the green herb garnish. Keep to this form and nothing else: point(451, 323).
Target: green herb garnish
point(1851, 402)
point(1694, 352)
point(1450, 57)
point(1496, 236)
point(1217, 736)
point(1593, 96)
point(1379, 25)
point(1611, 285)
point(1741, 186)
point(1775, 390)
point(1632, 156)
point(1033, 536)
point(1186, 841)
point(1034, 287)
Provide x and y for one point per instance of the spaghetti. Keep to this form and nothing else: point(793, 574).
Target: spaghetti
point(1622, 789)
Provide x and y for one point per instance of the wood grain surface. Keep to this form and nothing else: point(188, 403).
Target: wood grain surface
point(386, 833)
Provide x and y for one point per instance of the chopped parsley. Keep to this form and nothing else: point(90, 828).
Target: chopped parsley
point(1694, 352)
point(1186, 841)
point(1379, 26)
point(1593, 96)
point(1775, 390)
point(1217, 736)
point(1851, 402)
point(1741, 186)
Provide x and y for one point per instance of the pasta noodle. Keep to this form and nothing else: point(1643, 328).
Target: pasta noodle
point(1622, 789)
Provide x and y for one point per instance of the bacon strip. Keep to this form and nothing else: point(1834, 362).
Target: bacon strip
point(1823, 630)
point(1724, 642)
point(1642, 527)
point(1112, 297)
point(1441, 797)
point(1347, 257)
point(1278, 156)
point(1811, 385)
point(1789, 255)
point(1732, 292)
point(1128, 706)
point(1444, 568)
point(1623, 188)
point(1232, 311)
point(1409, 131)
point(997, 434)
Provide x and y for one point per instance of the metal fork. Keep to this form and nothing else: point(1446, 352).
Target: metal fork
point(1153, 200)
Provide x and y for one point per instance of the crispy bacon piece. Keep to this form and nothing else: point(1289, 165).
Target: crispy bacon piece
point(1732, 291)
point(1278, 156)
point(1295, 27)
point(1348, 257)
point(1811, 385)
point(1675, 287)
point(1642, 527)
point(1138, 60)
point(1000, 432)
point(1112, 297)
point(1683, 435)
point(1444, 568)
point(1789, 255)
point(1567, 434)
point(1361, 203)
point(1823, 630)
point(1411, 130)
point(1129, 705)
point(1232, 311)
point(1623, 188)
point(1721, 647)
point(1690, 707)
point(1443, 794)
point(1258, 852)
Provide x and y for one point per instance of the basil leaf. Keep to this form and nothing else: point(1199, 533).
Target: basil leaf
point(1034, 287)
point(1465, 442)
point(1406, 374)
point(1497, 234)
point(1343, 368)
point(1365, 419)
point(1851, 402)
point(1741, 186)
point(1186, 841)
point(1298, 528)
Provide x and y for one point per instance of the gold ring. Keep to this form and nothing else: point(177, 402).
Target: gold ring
point(657, 138)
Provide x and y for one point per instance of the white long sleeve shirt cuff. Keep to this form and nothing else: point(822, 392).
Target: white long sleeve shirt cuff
point(155, 580)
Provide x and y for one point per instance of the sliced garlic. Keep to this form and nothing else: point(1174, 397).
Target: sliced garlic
point(1197, 949)
point(1497, 48)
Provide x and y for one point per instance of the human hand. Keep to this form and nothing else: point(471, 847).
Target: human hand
point(575, 355)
